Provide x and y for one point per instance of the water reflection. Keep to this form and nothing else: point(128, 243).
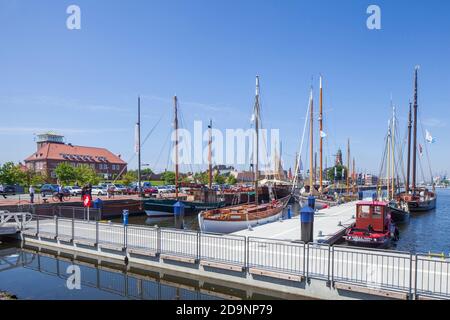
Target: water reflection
point(33, 274)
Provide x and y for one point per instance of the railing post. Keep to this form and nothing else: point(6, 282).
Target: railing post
point(416, 276)
point(73, 225)
point(158, 240)
point(37, 224)
point(56, 227)
point(125, 233)
point(329, 267)
point(199, 243)
point(96, 233)
point(332, 267)
point(307, 262)
point(410, 276)
point(246, 253)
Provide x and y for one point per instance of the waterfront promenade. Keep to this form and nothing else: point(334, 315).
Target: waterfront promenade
point(312, 270)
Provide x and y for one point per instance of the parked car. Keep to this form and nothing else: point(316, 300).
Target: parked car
point(99, 191)
point(10, 190)
point(50, 189)
point(74, 191)
point(150, 190)
point(119, 188)
point(163, 189)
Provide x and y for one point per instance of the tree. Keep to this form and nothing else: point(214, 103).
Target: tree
point(84, 174)
point(231, 180)
point(65, 173)
point(338, 170)
point(201, 177)
point(129, 177)
point(168, 177)
point(11, 174)
point(219, 179)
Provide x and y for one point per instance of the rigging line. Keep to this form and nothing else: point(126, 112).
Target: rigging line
point(134, 154)
point(297, 165)
point(163, 149)
point(400, 161)
point(426, 151)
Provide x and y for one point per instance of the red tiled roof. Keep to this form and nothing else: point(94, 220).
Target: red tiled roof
point(56, 151)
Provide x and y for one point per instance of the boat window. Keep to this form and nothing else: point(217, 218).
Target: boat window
point(377, 212)
point(364, 212)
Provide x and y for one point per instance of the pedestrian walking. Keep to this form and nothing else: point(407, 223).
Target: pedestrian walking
point(60, 193)
point(31, 191)
point(2, 191)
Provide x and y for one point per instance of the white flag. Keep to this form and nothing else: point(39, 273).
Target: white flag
point(136, 139)
point(428, 137)
point(253, 118)
point(323, 134)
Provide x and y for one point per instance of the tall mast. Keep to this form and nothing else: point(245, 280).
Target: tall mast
point(138, 124)
point(321, 138)
point(414, 168)
point(311, 141)
point(393, 153)
point(354, 177)
point(408, 174)
point(348, 166)
point(388, 171)
point(210, 176)
point(257, 139)
point(175, 103)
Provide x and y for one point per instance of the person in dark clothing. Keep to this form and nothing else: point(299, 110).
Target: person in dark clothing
point(2, 191)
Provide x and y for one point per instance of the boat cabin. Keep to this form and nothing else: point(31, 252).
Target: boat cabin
point(372, 215)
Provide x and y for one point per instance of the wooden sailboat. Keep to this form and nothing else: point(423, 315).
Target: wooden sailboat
point(418, 199)
point(235, 218)
point(399, 211)
point(322, 200)
point(199, 199)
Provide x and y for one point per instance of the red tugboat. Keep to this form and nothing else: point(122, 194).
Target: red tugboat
point(374, 227)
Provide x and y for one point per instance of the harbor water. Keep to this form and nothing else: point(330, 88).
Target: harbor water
point(32, 274)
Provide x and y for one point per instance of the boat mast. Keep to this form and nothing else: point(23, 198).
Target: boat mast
point(209, 154)
point(175, 102)
point(311, 141)
point(354, 177)
point(348, 166)
point(321, 138)
point(408, 175)
point(256, 111)
point(388, 166)
point(393, 153)
point(414, 168)
point(138, 124)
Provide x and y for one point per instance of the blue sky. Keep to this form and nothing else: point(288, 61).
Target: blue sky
point(84, 83)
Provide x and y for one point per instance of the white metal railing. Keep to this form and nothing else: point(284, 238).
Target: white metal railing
point(413, 274)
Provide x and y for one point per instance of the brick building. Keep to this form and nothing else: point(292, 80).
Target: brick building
point(51, 151)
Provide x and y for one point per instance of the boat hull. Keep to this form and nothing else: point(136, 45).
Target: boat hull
point(369, 244)
point(226, 227)
point(398, 215)
point(165, 207)
point(422, 206)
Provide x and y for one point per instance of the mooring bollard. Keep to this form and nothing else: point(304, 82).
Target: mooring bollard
point(307, 224)
point(312, 202)
point(125, 214)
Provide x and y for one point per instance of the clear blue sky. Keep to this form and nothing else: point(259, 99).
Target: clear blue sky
point(84, 84)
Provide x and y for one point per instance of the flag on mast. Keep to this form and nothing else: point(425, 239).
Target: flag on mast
point(428, 137)
point(323, 134)
point(136, 138)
